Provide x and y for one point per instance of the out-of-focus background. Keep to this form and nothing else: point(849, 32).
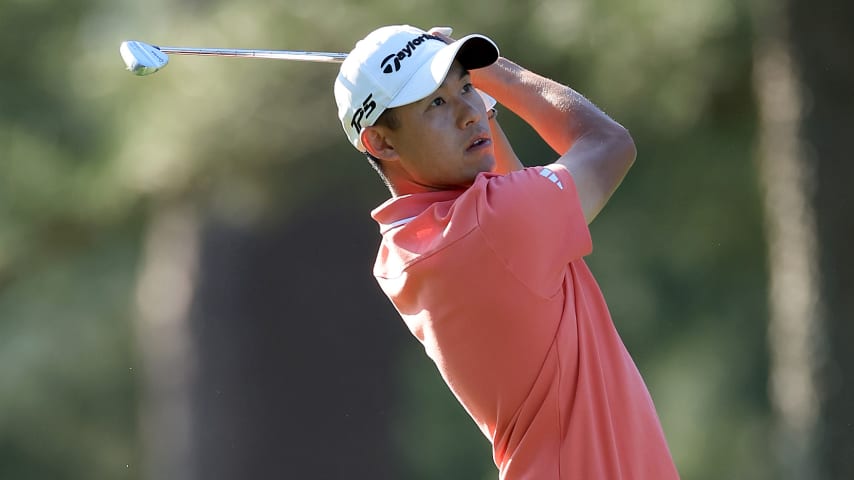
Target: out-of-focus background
point(185, 258)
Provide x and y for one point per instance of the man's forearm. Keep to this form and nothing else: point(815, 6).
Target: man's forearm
point(506, 160)
point(557, 112)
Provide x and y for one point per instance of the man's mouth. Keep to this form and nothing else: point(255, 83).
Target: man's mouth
point(479, 142)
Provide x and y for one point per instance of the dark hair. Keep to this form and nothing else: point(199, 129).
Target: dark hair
point(389, 120)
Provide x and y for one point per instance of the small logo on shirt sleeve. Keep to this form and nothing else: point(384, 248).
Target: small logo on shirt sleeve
point(545, 172)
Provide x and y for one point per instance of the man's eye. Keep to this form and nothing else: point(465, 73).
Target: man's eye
point(468, 88)
point(437, 101)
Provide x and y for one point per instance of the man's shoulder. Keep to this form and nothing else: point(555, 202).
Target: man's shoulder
point(548, 181)
point(530, 193)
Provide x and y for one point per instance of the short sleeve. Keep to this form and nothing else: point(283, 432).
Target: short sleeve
point(532, 219)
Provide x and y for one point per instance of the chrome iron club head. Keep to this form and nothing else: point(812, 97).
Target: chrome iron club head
point(142, 58)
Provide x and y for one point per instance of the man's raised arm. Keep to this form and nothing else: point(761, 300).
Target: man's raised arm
point(596, 150)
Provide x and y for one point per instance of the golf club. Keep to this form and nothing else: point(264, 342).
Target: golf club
point(144, 59)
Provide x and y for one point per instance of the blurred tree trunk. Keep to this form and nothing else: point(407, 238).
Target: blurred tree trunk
point(164, 293)
point(287, 359)
point(805, 87)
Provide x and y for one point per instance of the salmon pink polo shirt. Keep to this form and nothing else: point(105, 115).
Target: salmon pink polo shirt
point(491, 281)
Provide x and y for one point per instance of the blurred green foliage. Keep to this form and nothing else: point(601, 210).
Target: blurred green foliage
point(87, 150)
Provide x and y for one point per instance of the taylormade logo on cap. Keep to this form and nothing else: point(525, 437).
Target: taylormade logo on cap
point(391, 63)
point(398, 65)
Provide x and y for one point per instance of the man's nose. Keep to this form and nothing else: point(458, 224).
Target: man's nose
point(469, 112)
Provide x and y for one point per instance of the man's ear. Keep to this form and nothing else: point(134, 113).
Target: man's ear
point(378, 145)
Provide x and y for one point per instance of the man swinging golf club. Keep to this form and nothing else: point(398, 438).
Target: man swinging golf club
point(483, 258)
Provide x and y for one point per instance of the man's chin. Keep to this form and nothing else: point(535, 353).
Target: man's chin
point(489, 164)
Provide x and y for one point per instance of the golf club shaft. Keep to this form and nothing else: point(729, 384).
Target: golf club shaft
point(322, 57)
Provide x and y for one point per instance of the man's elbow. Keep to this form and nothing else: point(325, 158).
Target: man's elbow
point(625, 151)
point(618, 155)
point(621, 156)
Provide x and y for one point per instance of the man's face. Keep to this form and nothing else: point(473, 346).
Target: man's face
point(443, 141)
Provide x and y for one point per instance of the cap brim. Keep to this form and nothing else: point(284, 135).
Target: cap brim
point(472, 51)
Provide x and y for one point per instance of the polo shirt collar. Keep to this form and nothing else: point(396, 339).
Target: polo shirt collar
point(398, 211)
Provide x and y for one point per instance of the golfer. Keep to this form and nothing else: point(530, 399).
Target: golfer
point(483, 258)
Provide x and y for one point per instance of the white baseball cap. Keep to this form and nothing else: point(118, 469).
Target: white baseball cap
point(397, 65)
